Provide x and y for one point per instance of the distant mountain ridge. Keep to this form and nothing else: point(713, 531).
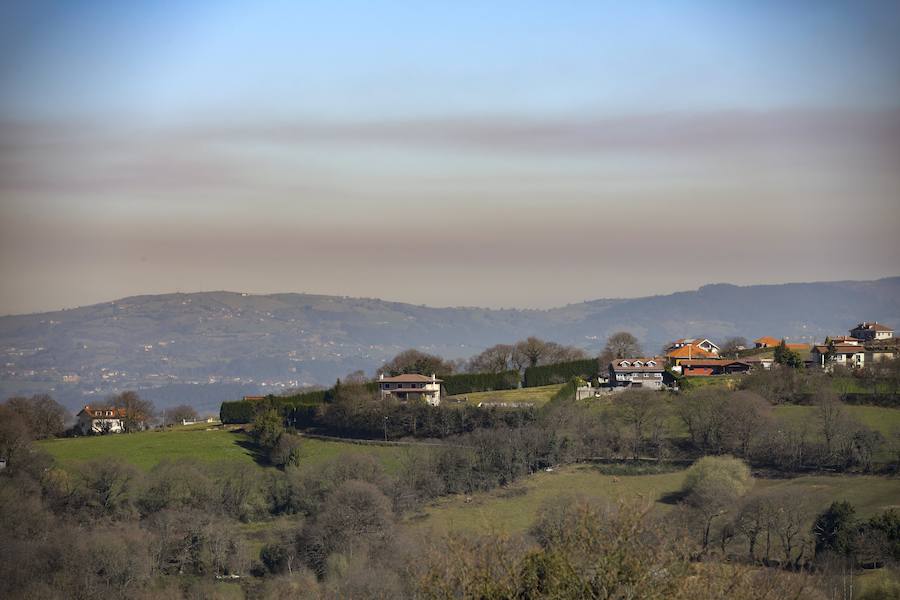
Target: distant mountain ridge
point(241, 341)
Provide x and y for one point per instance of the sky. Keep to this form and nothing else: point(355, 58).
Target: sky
point(502, 154)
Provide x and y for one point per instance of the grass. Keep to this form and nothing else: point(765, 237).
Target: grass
point(146, 449)
point(882, 419)
point(538, 396)
point(513, 509)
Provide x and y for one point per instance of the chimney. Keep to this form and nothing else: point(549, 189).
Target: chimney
point(433, 378)
point(381, 376)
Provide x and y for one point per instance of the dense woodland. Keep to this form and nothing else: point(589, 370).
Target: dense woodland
point(337, 530)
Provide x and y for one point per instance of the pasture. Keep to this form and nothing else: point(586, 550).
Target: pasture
point(146, 449)
point(514, 508)
point(537, 396)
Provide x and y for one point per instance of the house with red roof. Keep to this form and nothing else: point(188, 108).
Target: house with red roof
point(105, 419)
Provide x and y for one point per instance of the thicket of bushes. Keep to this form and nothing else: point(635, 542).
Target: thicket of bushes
point(561, 372)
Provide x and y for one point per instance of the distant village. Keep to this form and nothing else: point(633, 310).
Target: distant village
point(867, 344)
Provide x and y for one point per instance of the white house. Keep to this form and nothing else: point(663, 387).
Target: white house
point(637, 372)
point(851, 355)
point(872, 331)
point(411, 386)
point(704, 344)
point(101, 420)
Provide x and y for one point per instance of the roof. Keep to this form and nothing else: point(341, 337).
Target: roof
point(874, 326)
point(100, 412)
point(712, 363)
point(845, 338)
point(411, 390)
point(767, 340)
point(696, 342)
point(690, 351)
point(698, 372)
point(797, 346)
point(840, 348)
point(409, 378)
point(617, 365)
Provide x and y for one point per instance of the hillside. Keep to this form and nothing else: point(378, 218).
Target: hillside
point(208, 346)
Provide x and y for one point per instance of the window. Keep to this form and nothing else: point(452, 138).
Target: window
point(651, 363)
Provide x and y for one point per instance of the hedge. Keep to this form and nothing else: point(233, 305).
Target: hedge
point(561, 372)
point(466, 383)
point(240, 411)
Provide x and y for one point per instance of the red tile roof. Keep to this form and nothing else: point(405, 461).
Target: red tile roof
point(767, 341)
point(100, 413)
point(690, 352)
point(698, 372)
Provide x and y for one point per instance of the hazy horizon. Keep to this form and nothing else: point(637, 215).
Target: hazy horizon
point(402, 301)
point(523, 155)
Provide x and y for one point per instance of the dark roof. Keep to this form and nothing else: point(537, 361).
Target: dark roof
point(872, 327)
point(658, 368)
point(713, 363)
point(839, 348)
point(409, 378)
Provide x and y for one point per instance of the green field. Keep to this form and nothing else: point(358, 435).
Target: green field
point(535, 395)
point(881, 419)
point(513, 509)
point(146, 449)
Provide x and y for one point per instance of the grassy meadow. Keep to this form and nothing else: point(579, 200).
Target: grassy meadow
point(146, 449)
point(514, 508)
point(538, 396)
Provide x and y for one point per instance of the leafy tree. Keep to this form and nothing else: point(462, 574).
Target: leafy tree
point(834, 529)
point(712, 486)
point(787, 357)
point(268, 427)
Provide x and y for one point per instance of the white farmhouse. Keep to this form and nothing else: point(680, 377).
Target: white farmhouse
point(101, 420)
point(411, 386)
point(872, 331)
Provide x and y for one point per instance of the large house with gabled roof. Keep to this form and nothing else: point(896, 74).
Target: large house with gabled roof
point(411, 386)
point(105, 419)
point(645, 373)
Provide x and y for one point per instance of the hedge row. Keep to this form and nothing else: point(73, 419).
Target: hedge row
point(466, 383)
point(561, 372)
point(393, 420)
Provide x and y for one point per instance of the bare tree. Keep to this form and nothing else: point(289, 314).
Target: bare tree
point(44, 416)
point(493, 360)
point(746, 416)
point(415, 361)
point(533, 349)
point(641, 412)
point(178, 414)
point(831, 416)
point(138, 412)
point(622, 345)
point(731, 346)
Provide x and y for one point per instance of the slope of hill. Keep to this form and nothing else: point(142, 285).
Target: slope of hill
point(241, 342)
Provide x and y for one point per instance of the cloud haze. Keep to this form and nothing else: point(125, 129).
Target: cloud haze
point(529, 199)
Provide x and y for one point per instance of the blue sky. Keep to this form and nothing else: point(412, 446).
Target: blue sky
point(490, 143)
